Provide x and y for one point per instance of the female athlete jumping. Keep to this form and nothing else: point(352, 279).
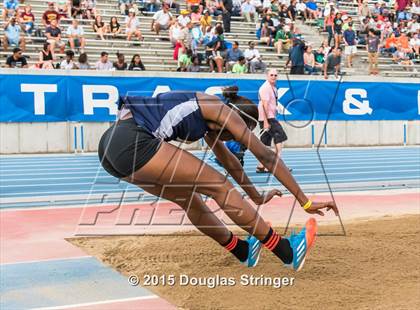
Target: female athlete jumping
point(136, 149)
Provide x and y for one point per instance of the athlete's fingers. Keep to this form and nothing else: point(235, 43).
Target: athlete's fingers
point(319, 212)
point(332, 205)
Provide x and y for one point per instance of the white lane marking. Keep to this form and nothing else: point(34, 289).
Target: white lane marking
point(46, 260)
point(257, 177)
point(102, 302)
point(134, 189)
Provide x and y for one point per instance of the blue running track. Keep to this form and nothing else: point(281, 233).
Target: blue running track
point(54, 180)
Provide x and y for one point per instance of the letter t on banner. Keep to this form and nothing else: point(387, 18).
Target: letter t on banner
point(39, 91)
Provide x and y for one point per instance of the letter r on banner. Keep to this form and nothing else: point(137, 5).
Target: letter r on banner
point(89, 103)
point(39, 91)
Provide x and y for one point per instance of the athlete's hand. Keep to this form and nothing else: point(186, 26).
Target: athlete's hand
point(316, 208)
point(261, 199)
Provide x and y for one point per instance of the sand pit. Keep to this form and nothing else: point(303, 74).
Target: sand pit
point(377, 266)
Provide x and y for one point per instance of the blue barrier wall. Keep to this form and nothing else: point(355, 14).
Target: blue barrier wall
point(87, 98)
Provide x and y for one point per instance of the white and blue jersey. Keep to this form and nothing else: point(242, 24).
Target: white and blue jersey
point(168, 116)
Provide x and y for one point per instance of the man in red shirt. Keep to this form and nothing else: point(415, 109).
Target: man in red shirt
point(27, 19)
point(49, 15)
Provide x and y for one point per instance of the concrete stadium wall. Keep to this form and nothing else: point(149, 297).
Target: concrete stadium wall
point(55, 137)
point(18, 138)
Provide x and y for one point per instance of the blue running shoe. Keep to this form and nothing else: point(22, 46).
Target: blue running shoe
point(301, 243)
point(254, 251)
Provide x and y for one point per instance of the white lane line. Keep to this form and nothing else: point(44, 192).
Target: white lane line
point(103, 302)
point(253, 178)
point(46, 260)
point(272, 180)
point(104, 174)
point(287, 157)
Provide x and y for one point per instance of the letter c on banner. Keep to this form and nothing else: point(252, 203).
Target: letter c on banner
point(352, 106)
point(89, 103)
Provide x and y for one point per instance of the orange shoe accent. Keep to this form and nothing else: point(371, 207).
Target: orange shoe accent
point(311, 230)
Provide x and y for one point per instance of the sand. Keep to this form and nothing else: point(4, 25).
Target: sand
point(376, 266)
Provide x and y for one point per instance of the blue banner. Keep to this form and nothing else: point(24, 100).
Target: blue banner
point(37, 98)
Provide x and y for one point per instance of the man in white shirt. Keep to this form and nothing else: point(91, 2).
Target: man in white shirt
point(68, 63)
point(75, 35)
point(184, 18)
point(161, 19)
point(248, 11)
point(252, 56)
point(104, 63)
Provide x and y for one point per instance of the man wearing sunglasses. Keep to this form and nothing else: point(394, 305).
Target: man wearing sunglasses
point(267, 112)
point(16, 60)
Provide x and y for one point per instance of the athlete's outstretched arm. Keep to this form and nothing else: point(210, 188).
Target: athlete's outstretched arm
point(235, 169)
point(231, 121)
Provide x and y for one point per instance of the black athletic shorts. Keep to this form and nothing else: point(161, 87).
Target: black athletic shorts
point(275, 133)
point(125, 148)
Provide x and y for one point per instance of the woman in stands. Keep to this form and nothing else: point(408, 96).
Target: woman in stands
point(137, 149)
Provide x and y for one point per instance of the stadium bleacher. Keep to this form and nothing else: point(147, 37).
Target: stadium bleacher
point(157, 55)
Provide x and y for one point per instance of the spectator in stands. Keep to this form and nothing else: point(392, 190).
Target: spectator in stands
point(249, 12)
point(103, 63)
point(49, 15)
point(9, 8)
point(76, 8)
point(132, 25)
point(319, 58)
point(27, 19)
point(161, 19)
point(233, 55)
point(338, 32)
point(364, 9)
point(88, 9)
point(62, 8)
point(16, 60)
point(185, 60)
point(311, 9)
point(120, 64)
point(253, 58)
point(283, 39)
point(196, 37)
point(372, 47)
point(415, 44)
point(195, 15)
point(126, 5)
point(99, 27)
point(227, 7)
point(291, 10)
point(195, 65)
point(75, 36)
point(53, 34)
point(333, 63)
point(83, 63)
point(309, 60)
point(68, 63)
point(214, 7)
point(153, 6)
point(219, 50)
point(350, 45)
point(403, 41)
point(205, 20)
point(301, 9)
point(184, 19)
point(12, 34)
point(193, 3)
point(173, 5)
point(114, 26)
point(46, 57)
point(175, 32)
point(296, 57)
point(390, 44)
point(266, 35)
point(329, 26)
point(240, 66)
point(136, 64)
